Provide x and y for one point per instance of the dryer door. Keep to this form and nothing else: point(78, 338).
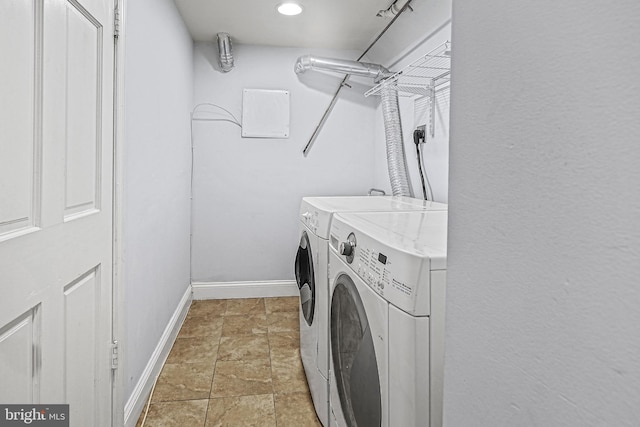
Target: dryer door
point(354, 357)
point(305, 278)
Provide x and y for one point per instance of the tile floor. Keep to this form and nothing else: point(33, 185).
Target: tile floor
point(235, 363)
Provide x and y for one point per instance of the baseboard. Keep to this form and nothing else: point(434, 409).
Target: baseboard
point(263, 289)
point(135, 405)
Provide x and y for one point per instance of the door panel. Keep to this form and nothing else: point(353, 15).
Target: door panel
point(84, 85)
point(56, 162)
point(17, 162)
point(81, 311)
point(18, 340)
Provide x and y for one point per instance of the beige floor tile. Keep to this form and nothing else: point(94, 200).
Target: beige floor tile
point(212, 307)
point(189, 413)
point(203, 350)
point(287, 339)
point(295, 419)
point(242, 378)
point(288, 375)
point(251, 350)
point(245, 306)
point(274, 305)
point(283, 321)
point(244, 347)
point(296, 409)
point(243, 411)
point(244, 325)
point(187, 381)
point(202, 326)
point(284, 345)
point(141, 417)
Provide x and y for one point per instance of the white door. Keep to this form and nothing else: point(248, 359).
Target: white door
point(56, 161)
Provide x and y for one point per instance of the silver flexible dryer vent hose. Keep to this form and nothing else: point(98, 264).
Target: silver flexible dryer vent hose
point(225, 52)
point(396, 158)
point(364, 69)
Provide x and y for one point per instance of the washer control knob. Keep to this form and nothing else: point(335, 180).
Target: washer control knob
point(306, 216)
point(346, 248)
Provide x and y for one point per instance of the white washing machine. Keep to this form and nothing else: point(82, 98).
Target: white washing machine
point(311, 275)
point(388, 274)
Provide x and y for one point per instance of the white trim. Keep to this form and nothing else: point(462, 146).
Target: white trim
point(134, 406)
point(118, 291)
point(224, 290)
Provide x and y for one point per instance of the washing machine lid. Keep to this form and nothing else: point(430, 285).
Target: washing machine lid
point(316, 212)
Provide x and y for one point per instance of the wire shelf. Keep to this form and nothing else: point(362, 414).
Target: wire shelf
point(423, 77)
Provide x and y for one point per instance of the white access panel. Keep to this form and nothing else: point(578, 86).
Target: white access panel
point(265, 113)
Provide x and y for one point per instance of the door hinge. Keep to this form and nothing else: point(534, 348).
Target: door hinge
point(116, 22)
point(114, 354)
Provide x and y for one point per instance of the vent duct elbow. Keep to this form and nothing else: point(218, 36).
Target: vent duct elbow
point(225, 52)
point(356, 68)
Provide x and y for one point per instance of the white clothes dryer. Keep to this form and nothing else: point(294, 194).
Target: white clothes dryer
point(311, 265)
point(388, 274)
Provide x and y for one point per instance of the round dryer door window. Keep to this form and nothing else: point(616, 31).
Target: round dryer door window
point(305, 278)
point(354, 357)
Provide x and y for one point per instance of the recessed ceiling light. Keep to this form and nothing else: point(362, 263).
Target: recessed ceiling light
point(289, 8)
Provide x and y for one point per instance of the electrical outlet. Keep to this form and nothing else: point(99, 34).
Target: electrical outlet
point(423, 129)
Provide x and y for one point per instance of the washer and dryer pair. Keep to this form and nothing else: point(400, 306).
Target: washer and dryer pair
point(316, 287)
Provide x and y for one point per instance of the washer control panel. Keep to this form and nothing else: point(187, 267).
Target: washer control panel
point(394, 274)
point(377, 269)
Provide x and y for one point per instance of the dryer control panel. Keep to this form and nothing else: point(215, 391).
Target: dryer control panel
point(315, 219)
point(310, 219)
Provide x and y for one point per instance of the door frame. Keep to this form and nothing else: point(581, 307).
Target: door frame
point(118, 307)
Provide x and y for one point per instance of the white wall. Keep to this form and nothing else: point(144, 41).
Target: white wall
point(544, 240)
point(414, 34)
point(247, 191)
point(157, 161)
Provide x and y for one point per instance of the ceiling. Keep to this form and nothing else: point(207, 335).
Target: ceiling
point(330, 24)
